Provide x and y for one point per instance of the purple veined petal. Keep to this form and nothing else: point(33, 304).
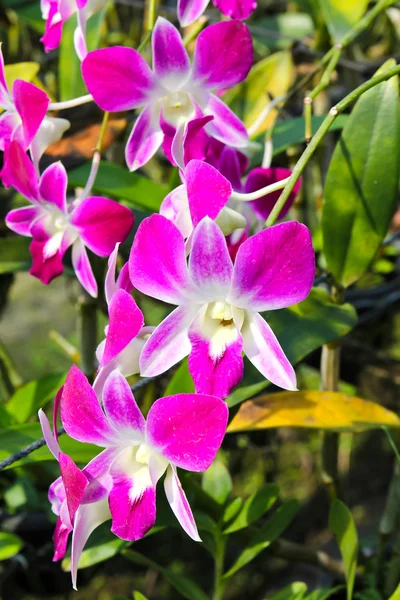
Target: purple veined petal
point(145, 139)
point(120, 406)
point(229, 166)
point(87, 519)
point(175, 208)
point(179, 504)
point(53, 186)
point(132, 499)
point(171, 62)
point(124, 281)
point(196, 141)
point(83, 269)
point(236, 9)
point(45, 269)
point(169, 343)
point(110, 284)
point(259, 178)
point(157, 263)
point(209, 263)
point(75, 483)
point(20, 172)
point(274, 268)
point(81, 413)
point(48, 435)
point(98, 475)
point(20, 219)
point(10, 122)
point(223, 55)
point(187, 429)
point(118, 78)
point(263, 349)
point(102, 223)
point(50, 131)
point(205, 200)
point(190, 10)
point(32, 104)
point(60, 539)
point(226, 126)
point(4, 93)
point(125, 322)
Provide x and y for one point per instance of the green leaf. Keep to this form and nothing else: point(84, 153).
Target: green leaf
point(27, 400)
point(138, 596)
point(342, 525)
point(254, 507)
point(360, 196)
point(232, 510)
point(281, 30)
point(181, 382)
point(117, 182)
point(396, 594)
point(217, 482)
point(301, 329)
point(97, 553)
point(323, 594)
point(14, 254)
point(10, 545)
point(294, 591)
point(267, 534)
point(186, 587)
point(341, 15)
point(291, 132)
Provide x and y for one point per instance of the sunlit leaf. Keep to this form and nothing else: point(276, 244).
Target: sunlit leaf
point(323, 594)
point(396, 594)
point(341, 15)
point(254, 507)
point(294, 591)
point(24, 70)
point(312, 409)
point(10, 545)
point(232, 510)
point(27, 399)
point(341, 523)
point(217, 482)
point(138, 596)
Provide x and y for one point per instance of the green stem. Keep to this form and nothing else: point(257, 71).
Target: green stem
point(219, 584)
point(387, 526)
point(151, 10)
point(323, 129)
point(88, 333)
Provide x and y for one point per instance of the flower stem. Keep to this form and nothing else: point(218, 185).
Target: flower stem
point(278, 185)
point(88, 333)
point(219, 584)
point(96, 159)
point(71, 103)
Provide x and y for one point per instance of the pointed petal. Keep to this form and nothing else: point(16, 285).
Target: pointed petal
point(118, 78)
point(187, 429)
point(53, 28)
point(75, 483)
point(53, 186)
point(110, 285)
point(190, 10)
point(60, 539)
point(45, 269)
point(98, 475)
point(50, 131)
point(10, 123)
point(125, 322)
point(144, 141)
point(230, 166)
point(3, 83)
point(48, 435)
point(236, 9)
point(20, 172)
point(82, 268)
point(175, 208)
point(226, 126)
point(263, 349)
point(171, 62)
point(259, 178)
point(205, 200)
point(20, 219)
point(274, 268)
point(120, 405)
point(196, 142)
point(157, 264)
point(223, 55)
point(31, 104)
point(179, 504)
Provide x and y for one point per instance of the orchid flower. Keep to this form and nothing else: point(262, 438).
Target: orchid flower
point(24, 118)
point(185, 430)
point(190, 10)
point(96, 223)
point(219, 303)
point(174, 92)
point(125, 334)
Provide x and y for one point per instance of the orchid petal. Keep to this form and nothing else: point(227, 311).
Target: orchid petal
point(179, 504)
point(53, 186)
point(20, 219)
point(236, 9)
point(45, 269)
point(190, 10)
point(48, 435)
point(175, 208)
point(226, 126)
point(60, 539)
point(120, 405)
point(230, 167)
point(171, 62)
point(83, 269)
point(20, 172)
point(32, 105)
point(10, 122)
point(196, 141)
point(75, 483)
point(4, 93)
point(144, 141)
point(125, 322)
point(259, 178)
point(205, 201)
point(50, 131)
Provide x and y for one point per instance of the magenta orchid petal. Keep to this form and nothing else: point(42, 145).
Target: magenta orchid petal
point(118, 78)
point(169, 343)
point(74, 481)
point(179, 504)
point(124, 281)
point(264, 351)
point(196, 142)
point(236, 9)
point(259, 178)
point(45, 269)
point(125, 322)
point(144, 141)
point(230, 166)
point(60, 539)
point(20, 219)
point(226, 126)
point(98, 475)
point(190, 10)
point(48, 435)
point(82, 268)
point(175, 207)
point(53, 28)
point(81, 413)
point(120, 405)
point(170, 59)
point(209, 263)
point(213, 66)
point(10, 122)
point(110, 284)
point(205, 201)
point(31, 104)
point(187, 429)
point(274, 268)
point(4, 93)
point(53, 186)
point(153, 271)
point(102, 223)
point(21, 173)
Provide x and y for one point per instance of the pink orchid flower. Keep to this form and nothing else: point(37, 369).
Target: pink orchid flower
point(185, 431)
point(190, 10)
point(96, 223)
point(219, 303)
point(175, 91)
point(125, 334)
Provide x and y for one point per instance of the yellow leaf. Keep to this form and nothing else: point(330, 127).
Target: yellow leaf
point(25, 70)
point(342, 15)
point(312, 409)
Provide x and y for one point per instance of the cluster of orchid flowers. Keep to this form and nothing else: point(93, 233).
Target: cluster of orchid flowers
point(206, 254)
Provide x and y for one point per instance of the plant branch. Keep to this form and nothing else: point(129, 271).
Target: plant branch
point(96, 159)
point(71, 103)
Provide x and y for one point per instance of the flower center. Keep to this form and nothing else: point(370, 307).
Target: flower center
point(219, 326)
point(177, 107)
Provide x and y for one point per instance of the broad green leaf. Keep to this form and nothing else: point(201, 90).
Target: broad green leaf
point(267, 534)
point(186, 587)
point(341, 15)
point(311, 409)
point(291, 132)
point(232, 510)
point(96, 554)
point(254, 507)
point(301, 329)
point(27, 400)
point(396, 594)
point(217, 482)
point(117, 182)
point(278, 32)
point(294, 591)
point(181, 382)
point(138, 596)
point(14, 254)
point(342, 525)
point(24, 70)
point(360, 196)
point(10, 545)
